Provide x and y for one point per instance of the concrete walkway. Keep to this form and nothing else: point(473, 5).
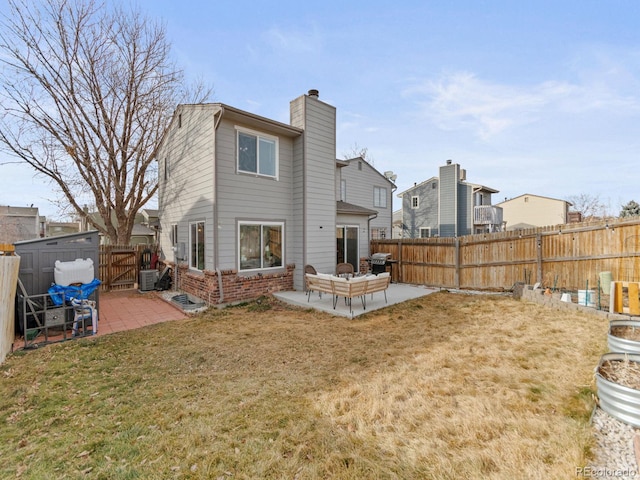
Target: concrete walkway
point(396, 293)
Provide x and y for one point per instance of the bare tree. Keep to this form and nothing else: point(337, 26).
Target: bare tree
point(590, 206)
point(87, 92)
point(357, 151)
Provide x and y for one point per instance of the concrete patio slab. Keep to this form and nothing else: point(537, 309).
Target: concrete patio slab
point(396, 293)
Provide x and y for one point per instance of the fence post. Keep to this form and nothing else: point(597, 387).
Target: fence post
point(539, 260)
point(400, 275)
point(457, 262)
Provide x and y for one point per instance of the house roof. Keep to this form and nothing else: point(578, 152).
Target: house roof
point(344, 163)
point(416, 185)
point(351, 209)
point(141, 230)
point(8, 210)
point(538, 196)
point(436, 179)
point(482, 187)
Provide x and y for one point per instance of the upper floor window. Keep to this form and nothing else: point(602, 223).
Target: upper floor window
point(415, 202)
point(425, 232)
point(380, 197)
point(343, 190)
point(257, 153)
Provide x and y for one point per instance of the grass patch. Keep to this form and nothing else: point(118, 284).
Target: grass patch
point(447, 386)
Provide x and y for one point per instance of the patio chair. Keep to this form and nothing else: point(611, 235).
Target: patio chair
point(310, 269)
point(345, 269)
point(83, 311)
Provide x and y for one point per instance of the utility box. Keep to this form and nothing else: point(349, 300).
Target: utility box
point(148, 279)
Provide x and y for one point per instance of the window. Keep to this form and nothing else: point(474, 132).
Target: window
point(415, 202)
point(343, 190)
point(380, 197)
point(257, 154)
point(166, 168)
point(174, 234)
point(425, 232)
point(260, 245)
point(434, 185)
point(196, 243)
point(378, 233)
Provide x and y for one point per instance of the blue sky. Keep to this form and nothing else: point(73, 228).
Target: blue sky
point(538, 97)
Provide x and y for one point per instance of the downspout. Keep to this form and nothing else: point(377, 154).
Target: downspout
point(371, 217)
point(219, 273)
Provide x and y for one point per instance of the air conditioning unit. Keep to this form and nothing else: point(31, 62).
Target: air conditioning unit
point(148, 279)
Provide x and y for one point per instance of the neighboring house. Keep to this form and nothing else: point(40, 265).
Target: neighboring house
point(245, 202)
point(448, 206)
point(397, 224)
point(144, 231)
point(529, 211)
point(359, 183)
point(57, 229)
point(20, 223)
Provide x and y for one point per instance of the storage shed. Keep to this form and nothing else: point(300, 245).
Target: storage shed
point(38, 258)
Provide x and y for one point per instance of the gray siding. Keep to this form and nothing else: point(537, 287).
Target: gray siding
point(426, 216)
point(448, 203)
point(465, 209)
point(318, 120)
point(247, 197)
point(360, 191)
point(187, 194)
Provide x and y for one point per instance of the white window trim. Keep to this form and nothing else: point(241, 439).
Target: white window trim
point(417, 202)
point(428, 229)
point(174, 234)
point(376, 198)
point(259, 135)
point(357, 227)
point(261, 224)
point(204, 253)
point(343, 190)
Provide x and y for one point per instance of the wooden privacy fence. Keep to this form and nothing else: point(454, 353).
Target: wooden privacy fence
point(569, 257)
point(120, 264)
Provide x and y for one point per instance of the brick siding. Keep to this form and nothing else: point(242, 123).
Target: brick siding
point(235, 288)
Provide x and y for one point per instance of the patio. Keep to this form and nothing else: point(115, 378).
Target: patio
point(396, 293)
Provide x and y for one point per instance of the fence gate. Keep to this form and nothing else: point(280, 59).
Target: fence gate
point(118, 267)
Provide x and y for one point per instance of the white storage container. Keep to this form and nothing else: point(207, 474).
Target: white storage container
point(78, 271)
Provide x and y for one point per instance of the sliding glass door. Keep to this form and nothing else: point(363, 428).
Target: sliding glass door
point(347, 246)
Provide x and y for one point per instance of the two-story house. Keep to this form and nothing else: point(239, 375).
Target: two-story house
point(448, 206)
point(245, 202)
point(362, 188)
point(20, 223)
point(529, 211)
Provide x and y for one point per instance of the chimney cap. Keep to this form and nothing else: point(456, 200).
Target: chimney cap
point(314, 93)
point(448, 162)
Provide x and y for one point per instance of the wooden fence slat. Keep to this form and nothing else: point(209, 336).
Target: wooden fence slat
point(634, 301)
point(560, 257)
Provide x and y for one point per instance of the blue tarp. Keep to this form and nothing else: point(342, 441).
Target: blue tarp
point(59, 293)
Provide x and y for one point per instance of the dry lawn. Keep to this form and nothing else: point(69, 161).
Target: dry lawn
point(448, 386)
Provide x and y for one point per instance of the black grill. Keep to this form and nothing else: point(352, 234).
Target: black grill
point(379, 262)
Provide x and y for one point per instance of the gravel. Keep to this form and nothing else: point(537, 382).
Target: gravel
point(614, 455)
